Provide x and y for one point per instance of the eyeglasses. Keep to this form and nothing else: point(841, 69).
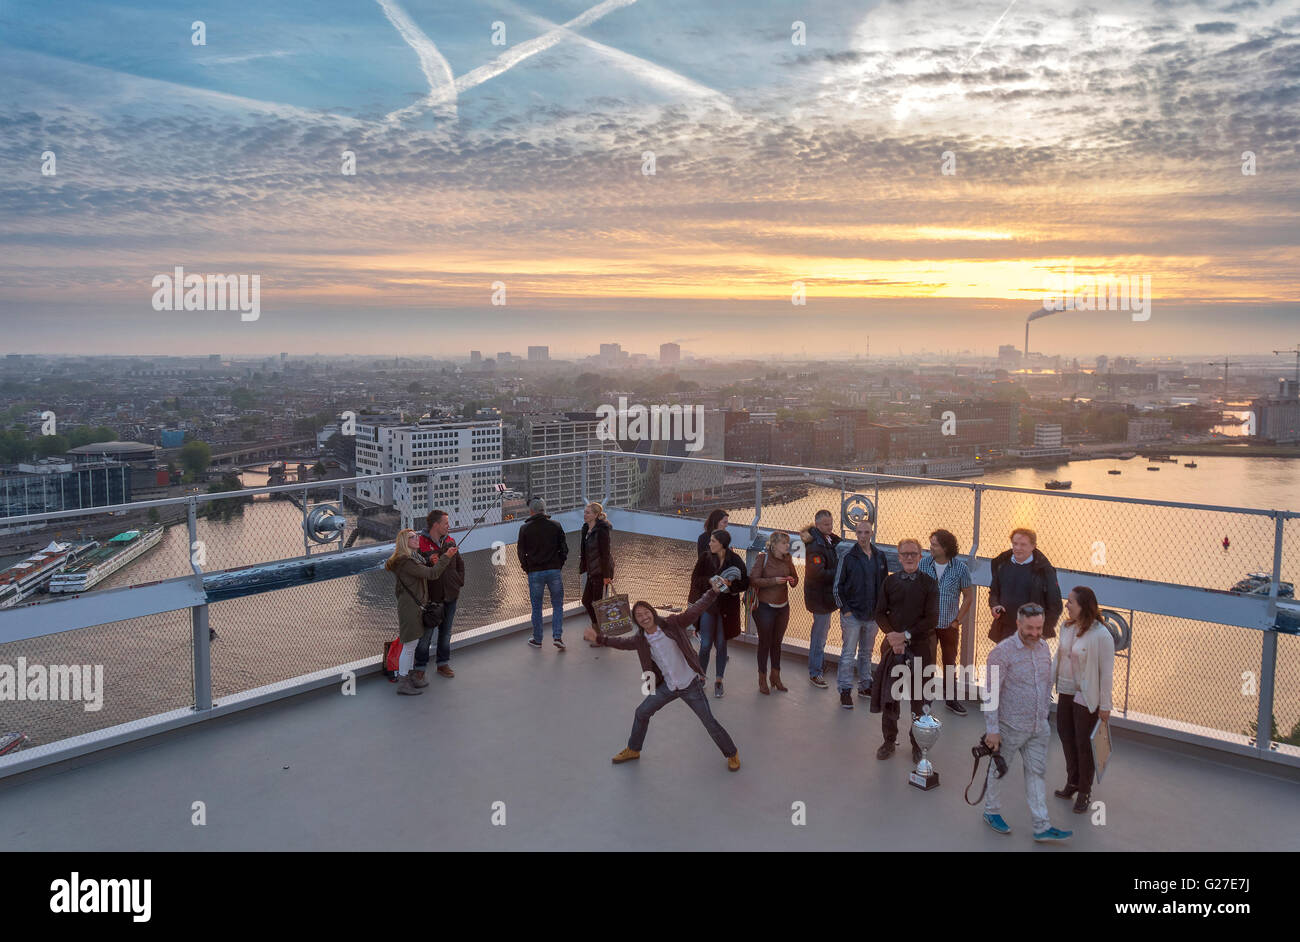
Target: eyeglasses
point(1029, 610)
point(908, 555)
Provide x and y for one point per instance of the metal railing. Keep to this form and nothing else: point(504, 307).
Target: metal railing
point(328, 608)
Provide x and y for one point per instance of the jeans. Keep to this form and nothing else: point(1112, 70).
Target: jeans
point(859, 639)
point(1074, 723)
point(552, 579)
point(772, 622)
point(892, 709)
point(821, 627)
point(711, 633)
point(1033, 752)
point(443, 651)
point(695, 699)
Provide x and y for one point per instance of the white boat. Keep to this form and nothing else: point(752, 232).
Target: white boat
point(25, 579)
point(106, 560)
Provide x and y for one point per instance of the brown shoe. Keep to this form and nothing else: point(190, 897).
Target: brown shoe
point(417, 679)
point(405, 686)
point(446, 671)
point(776, 682)
point(627, 755)
point(733, 762)
point(762, 683)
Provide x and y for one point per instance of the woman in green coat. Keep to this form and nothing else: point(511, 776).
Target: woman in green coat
point(411, 588)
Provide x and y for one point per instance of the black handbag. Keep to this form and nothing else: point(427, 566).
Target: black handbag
point(430, 612)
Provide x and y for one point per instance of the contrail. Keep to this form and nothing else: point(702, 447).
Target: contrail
point(512, 57)
point(991, 31)
point(436, 69)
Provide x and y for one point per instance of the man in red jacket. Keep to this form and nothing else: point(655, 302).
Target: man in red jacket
point(666, 652)
point(434, 541)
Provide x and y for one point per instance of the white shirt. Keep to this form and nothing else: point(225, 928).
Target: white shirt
point(1029, 559)
point(938, 570)
point(672, 662)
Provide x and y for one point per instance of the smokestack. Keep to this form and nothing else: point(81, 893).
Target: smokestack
point(1041, 312)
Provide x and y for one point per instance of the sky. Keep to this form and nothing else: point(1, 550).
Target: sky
point(918, 171)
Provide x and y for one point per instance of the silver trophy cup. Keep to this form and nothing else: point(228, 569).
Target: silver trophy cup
point(925, 729)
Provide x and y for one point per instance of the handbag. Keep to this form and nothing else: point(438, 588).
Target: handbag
point(751, 593)
point(430, 612)
point(613, 617)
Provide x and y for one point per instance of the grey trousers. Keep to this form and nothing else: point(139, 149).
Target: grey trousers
point(1032, 748)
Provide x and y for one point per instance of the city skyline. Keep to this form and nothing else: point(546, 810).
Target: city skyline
point(912, 170)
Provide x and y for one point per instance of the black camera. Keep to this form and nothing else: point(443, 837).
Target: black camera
point(982, 750)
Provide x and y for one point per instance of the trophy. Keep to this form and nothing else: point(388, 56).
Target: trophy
point(925, 730)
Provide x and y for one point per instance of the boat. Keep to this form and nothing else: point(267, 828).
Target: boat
point(25, 579)
point(1189, 464)
point(106, 560)
point(1058, 485)
point(1114, 472)
point(1258, 583)
point(1153, 469)
point(11, 742)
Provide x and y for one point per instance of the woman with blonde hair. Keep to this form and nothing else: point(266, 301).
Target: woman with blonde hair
point(411, 588)
point(772, 578)
point(596, 559)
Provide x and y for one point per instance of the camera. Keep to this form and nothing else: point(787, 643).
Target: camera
point(982, 750)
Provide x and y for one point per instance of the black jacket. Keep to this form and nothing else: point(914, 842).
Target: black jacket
point(542, 544)
point(909, 605)
point(850, 582)
point(728, 605)
point(882, 680)
point(595, 542)
point(674, 626)
point(446, 589)
point(819, 564)
point(1044, 589)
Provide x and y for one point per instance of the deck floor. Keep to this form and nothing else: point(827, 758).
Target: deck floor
point(535, 729)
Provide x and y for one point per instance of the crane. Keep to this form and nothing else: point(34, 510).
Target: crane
point(1225, 363)
point(1296, 351)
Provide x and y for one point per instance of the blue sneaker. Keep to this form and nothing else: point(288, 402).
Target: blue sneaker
point(1053, 836)
point(996, 823)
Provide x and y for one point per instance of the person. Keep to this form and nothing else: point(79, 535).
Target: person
point(1019, 575)
point(717, 520)
point(860, 572)
point(1083, 671)
point(666, 652)
point(907, 612)
point(542, 550)
point(434, 541)
point(719, 622)
point(1019, 690)
point(956, 596)
point(819, 588)
point(596, 560)
point(772, 578)
point(1225, 544)
point(410, 585)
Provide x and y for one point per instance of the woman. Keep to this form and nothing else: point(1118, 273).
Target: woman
point(1083, 669)
point(596, 561)
point(717, 520)
point(773, 577)
point(720, 621)
point(412, 591)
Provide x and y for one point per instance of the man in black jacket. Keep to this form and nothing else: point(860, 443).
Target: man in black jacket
point(542, 550)
point(666, 653)
point(907, 613)
point(860, 574)
point(819, 588)
point(434, 541)
point(1022, 575)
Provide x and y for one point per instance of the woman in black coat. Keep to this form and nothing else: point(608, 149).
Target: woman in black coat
point(717, 520)
point(721, 621)
point(596, 559)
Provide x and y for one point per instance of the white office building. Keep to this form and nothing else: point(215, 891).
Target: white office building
point(385, 446)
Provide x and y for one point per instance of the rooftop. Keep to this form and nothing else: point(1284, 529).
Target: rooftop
point(536, 730)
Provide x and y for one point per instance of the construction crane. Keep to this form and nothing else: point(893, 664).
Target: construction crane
point(1296, 351)
point(1225, 363)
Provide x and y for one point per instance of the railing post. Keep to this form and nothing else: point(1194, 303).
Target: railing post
point(1268, 655)
point(758, 502)
point(306, 545)
point(840, 516)
point(585, 478)
point(609, 471)
point(968, 626)
point(199, 624)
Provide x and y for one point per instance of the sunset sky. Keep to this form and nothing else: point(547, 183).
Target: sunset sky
point(1107, 137)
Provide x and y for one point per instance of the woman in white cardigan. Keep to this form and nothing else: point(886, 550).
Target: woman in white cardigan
point(1083, 669)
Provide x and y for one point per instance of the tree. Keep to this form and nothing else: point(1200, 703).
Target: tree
point(318, 469)
point(195, 458)
point(48, 445)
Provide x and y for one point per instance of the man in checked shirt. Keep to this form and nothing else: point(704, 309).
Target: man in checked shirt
point(1016, 719)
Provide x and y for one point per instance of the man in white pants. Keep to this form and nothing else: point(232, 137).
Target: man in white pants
point(1016, 720)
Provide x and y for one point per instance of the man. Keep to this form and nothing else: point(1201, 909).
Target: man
point(907, 612)
point(434, 541)
point(1021, 575)
point(666, 652)
point(860, 572)
point(542, 550)
point(1020, 695)
point(949, 571)
point(820, 562)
